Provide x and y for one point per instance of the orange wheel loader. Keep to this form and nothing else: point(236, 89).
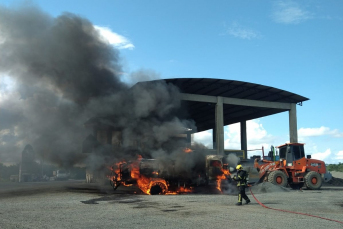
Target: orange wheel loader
point(291, 167)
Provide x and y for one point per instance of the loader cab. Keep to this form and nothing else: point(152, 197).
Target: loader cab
point(291, 152)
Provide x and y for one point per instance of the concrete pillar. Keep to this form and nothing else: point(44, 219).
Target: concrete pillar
point(220, 126)
point(244, 142)
point(189, 139)
point(214, 137)
point(293, 129)
point(19, 176)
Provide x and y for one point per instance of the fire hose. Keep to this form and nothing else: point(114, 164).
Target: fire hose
point(299, 213)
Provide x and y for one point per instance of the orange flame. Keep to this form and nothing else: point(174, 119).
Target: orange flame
point(225, 174)
point(147, 183)
point(187, 150)
point(115, 169)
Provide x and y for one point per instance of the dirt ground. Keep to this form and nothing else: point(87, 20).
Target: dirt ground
point(336, 174)
point(75, 204)
point(337, 179)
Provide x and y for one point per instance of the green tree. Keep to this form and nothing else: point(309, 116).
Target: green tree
point(335, 167)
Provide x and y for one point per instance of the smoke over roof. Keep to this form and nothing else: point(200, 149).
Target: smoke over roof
point(65, 74)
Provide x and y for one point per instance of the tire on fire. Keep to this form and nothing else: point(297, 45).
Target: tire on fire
point(158, 188)
point(313, 180)
point(278, 178)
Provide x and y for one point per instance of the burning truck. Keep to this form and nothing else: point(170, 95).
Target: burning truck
point(154, 176)
point(175, 166)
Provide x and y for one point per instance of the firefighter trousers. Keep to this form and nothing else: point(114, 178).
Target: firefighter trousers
point(241, 194)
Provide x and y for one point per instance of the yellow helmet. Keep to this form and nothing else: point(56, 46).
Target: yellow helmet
point(239, 167)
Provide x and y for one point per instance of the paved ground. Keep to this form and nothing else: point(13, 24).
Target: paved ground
point(74, 204)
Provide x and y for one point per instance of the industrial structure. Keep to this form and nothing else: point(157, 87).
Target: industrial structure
point(215, 103)
point(212, 104)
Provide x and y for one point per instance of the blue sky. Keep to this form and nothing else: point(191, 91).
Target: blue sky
point(291, 45)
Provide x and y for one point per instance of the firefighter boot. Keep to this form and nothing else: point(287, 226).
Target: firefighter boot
point(247, 201)
point(239, 203)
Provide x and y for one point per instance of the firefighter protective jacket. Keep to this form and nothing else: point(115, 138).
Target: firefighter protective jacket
point(241, 177)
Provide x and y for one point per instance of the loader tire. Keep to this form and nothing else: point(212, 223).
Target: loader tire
point(278, 178)
point(313, 180)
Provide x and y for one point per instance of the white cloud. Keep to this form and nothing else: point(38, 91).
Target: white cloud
point(312, 132)
point(339, 155)
point(7, 87)
point(204, 137)
point(6, 82)
point(257, 136)
point(288, 12)
point(322, 156)
point(239, 31)
point(114, 39)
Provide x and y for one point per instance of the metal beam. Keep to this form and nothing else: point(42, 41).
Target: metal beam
point(199, 98)
point(234, 101)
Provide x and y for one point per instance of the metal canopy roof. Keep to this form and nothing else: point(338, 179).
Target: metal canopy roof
point(204, 113)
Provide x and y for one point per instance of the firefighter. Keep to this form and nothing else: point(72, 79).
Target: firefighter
point(241, 179)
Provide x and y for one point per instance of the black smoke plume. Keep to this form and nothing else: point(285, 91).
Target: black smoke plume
point(58, 73)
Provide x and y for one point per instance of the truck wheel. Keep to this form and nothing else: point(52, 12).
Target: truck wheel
point(313, 180)
point(278, 178)
point(158, 188)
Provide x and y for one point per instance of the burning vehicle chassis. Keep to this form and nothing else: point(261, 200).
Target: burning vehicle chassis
point(169, 166)
point(154, 177)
